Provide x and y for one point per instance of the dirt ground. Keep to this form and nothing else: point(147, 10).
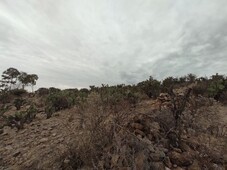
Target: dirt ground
point(41, 144)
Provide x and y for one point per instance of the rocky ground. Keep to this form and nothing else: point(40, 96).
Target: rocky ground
point(43, 143)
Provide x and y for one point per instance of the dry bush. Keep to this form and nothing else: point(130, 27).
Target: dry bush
point(99, 125)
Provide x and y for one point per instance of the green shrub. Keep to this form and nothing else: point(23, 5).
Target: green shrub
point(53, 90)
point(42, 91)
point(18, 92)
point(215, 89)
point(59, 101)
point(20, 118)
point(18, 103)
point(150, 87)
point(5, 97)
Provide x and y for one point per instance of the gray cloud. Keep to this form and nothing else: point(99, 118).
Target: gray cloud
point(80, 43)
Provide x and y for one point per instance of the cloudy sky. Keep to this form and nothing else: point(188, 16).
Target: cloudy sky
point(77, 43)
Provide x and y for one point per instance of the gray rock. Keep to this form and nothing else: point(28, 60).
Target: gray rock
point(43, 140)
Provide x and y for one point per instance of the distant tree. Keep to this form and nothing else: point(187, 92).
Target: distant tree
point(182, 79)
point(23, 78)
point(33, 78)
point(9, 78)
point(28, 79)
point(191, 78)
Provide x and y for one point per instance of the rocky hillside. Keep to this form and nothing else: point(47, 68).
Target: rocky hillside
point(171, 132)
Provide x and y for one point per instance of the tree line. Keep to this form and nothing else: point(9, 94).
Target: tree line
point(14, 79)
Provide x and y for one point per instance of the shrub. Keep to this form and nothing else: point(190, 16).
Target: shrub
point(59, 101)
point(5, 97)
point(42, 91)
point(22, 117)
point(215, 89)
point(53, 90)
point(151, 87)
point(18, 103)
point(18, 92)
point(200, 89)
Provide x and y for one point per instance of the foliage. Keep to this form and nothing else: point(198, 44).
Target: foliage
point(12, 79)
point(53, 90)
point(59, 101)
point(216, 86)
point(28, 79)
point(5, 97)
point(18, 103)
point(151, 87)
point(42, 91)
point(20, 118)
point(9, 77)
point(18, 92)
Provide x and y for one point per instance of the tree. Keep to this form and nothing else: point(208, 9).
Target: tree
point(28, 79)
point(191, 78)
point(9, 77)
point(33, 78)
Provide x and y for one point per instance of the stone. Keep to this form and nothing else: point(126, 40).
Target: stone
point(158, 156)
point(184, 147)
point(174, 165)
point(66, 161)
point(9, 147)
point(43, 140)
point(147, 141)
point(16, 153)
point(177, 150)
point(61, 139)
point(155, 125)
point(165, 150)
point(139, 132)
point(54, 134)
point(181, 159)
point(137, 126)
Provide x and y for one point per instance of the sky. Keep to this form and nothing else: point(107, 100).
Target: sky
point(77, 43)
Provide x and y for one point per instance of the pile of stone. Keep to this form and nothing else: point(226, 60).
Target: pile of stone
point(164, 100)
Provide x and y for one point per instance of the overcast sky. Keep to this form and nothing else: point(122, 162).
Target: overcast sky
point(77, 43)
